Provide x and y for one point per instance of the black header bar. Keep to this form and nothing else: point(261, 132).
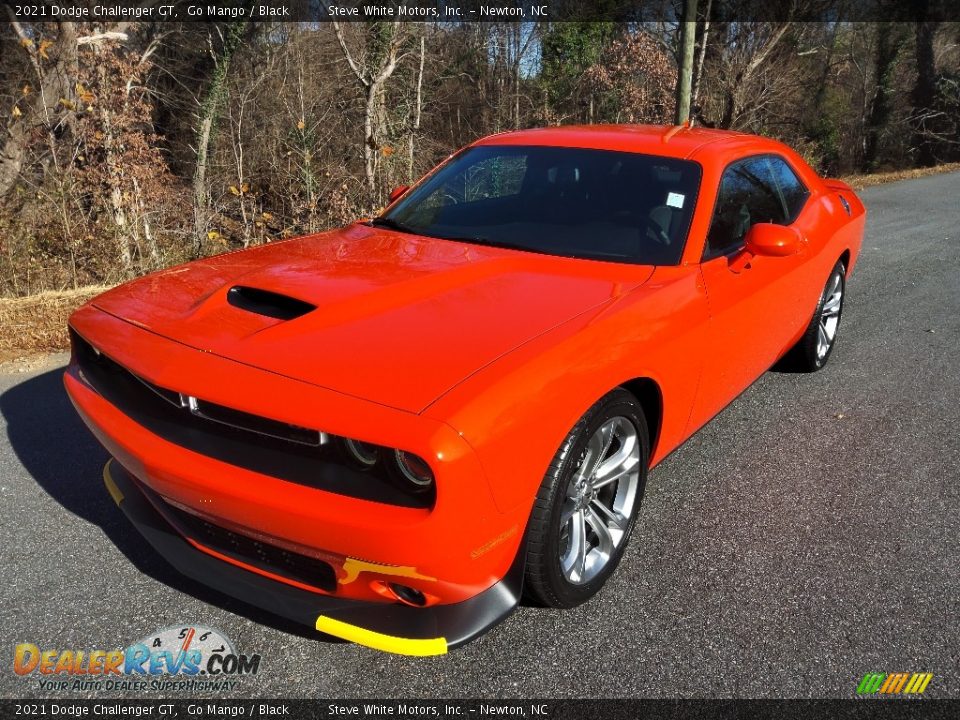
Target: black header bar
point(459, 11)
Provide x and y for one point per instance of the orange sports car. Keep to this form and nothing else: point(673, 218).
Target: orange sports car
point(391, 430)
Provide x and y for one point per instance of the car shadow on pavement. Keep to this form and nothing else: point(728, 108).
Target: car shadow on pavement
point(56, 448)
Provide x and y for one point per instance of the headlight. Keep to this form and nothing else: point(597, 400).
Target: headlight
point(365, 454)
point(404, 471)
point(414, 469)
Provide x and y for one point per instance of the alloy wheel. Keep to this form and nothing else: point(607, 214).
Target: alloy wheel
point(829, 317)
point(599, 500)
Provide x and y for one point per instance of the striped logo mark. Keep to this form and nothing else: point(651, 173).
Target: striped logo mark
point(894, 683)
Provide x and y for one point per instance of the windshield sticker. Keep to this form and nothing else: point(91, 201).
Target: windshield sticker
point(675, 200)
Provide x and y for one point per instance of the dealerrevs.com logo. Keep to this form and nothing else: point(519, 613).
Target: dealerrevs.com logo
point(190, 658)
point(900, 683)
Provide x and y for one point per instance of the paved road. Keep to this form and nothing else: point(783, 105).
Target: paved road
point(809, 534)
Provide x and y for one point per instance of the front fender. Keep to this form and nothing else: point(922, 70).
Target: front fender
point(516, 412)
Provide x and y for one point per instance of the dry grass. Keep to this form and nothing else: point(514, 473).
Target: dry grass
point(38, 324)
point(859, 182)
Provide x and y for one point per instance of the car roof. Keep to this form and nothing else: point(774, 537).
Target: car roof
point(671, 141)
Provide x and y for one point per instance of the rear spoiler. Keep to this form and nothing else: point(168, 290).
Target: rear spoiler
point(838, 185)
point(848, 198)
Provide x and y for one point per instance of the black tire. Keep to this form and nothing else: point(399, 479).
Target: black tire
point(806, 356)
point(545, 581)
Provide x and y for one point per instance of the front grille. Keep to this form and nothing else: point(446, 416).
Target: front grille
point(259, 444)
point(91, 360)
point(265, 556)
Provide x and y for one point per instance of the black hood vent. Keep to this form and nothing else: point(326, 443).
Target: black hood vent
point(264, 302)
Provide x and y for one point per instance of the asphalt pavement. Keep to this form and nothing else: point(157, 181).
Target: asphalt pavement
point(808, 535)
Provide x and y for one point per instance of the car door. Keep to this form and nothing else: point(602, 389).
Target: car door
point(756, 310)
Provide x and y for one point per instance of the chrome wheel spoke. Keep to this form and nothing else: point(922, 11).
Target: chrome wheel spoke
point(575, 559)
point(600, 500)
point(596, 448)
point(618, 521)
point(822, 342)
point(601, 441)
point(611, 471)
point(605, 543)
point(834, 286)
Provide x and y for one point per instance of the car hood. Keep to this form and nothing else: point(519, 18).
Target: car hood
point(389, 317)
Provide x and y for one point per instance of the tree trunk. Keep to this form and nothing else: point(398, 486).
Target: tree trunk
point(889, 40)
point(700, 58)
point(56, 78)
point(209, 111)
point(417, 110)
point(114, 174)
point(201, 197)
point(12, 154)
point(925, 89)
point(688, 34)
point(370, 140)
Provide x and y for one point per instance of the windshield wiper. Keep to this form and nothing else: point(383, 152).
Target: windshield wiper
point(391, 224)
point(480, 240)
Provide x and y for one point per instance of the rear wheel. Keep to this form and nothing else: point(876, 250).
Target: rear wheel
point(814, 348)
point(587, 503)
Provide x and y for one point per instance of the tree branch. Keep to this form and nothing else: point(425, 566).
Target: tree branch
point(97, 38)
point(346, 53)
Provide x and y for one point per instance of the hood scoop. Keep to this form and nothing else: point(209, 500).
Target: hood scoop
point(270, 304)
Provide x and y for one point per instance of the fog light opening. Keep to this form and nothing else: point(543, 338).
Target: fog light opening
point(408, 595)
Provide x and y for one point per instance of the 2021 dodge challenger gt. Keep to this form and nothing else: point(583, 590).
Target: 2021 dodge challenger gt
point(390, 430)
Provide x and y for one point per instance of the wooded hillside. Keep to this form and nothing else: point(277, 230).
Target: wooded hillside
point(129, 147)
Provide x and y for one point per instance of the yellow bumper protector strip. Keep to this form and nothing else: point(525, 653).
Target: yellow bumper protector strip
point(111, 485)
point(379, 641)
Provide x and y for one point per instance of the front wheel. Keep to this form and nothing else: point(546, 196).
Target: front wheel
point(587, 503)
point(813, 349)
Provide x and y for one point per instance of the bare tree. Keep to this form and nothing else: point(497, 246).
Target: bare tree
point(209, 110)
point(417, 111)
point(384, 42)
point(54, 63)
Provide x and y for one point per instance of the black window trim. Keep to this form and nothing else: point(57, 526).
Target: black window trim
point(706, 255)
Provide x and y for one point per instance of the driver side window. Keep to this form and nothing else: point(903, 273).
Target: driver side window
point(748, 194)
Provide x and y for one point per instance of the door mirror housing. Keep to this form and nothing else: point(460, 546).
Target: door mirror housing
point(773, 240)
point(398, 191)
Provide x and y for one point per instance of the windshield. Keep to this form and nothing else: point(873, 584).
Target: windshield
point(584, 203)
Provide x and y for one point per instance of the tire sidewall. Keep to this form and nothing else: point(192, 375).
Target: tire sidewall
point(616, 404)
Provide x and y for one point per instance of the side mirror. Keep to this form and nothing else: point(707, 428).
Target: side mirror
point(398, 191)
point(773, 240)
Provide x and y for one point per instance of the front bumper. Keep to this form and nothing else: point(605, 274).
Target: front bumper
point(451, 553)
point(392, 628)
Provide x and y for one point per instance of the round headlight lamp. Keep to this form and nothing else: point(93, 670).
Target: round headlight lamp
point(366, 454)
point(414, 469)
